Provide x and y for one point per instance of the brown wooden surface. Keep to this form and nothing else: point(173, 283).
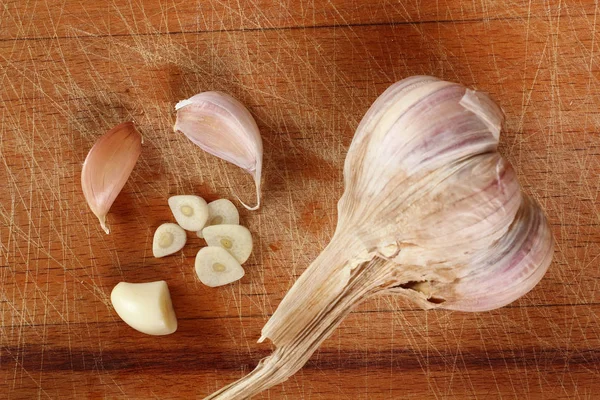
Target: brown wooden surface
point(308, 70)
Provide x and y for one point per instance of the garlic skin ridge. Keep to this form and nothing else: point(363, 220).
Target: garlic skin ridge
point(221, 125)
point(430, 211)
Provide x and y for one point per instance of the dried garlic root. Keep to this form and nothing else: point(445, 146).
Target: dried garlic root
point(190, 212)
point(168, 239)
point(146, 307)
point(216, 267)
point(221, 211)
point(236, 239)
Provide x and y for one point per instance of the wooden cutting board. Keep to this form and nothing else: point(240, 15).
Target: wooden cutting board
point(307, 70)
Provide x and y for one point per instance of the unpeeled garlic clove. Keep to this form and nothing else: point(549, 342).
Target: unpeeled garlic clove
point(190, 212)
point(223, 127)
point(107, 167)
point(236, 239)
point(221, 211)
point(146, 307)
point(168, 239)
point(216, 267)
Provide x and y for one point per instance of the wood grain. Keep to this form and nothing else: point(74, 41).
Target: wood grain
point(307, 71)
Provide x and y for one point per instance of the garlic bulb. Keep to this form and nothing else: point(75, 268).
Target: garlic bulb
point(430, 211)
point(107, 167)
point(222, 126)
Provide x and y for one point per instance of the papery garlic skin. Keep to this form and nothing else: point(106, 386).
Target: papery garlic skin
point(146, 307)
point(430, 211)
point(108, 166)
point(221, 125)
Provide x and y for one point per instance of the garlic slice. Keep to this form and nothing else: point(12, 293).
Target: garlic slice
point(216, 267)
point(168, 239)
point(236, 239)
point(146, 307)
point(223, 127)
point(190, 212)
point(221, 211)
point(107, 167)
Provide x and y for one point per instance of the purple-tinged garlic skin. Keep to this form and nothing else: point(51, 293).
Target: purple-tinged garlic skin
point(221, 125)
point(108, 166)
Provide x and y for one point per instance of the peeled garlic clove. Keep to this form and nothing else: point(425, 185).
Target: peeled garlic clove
point(216, 267)
point(190, 212)
point(168, 239)
point(107, 167)
point(221, 211)
point(236, 239)
point(223, 127)
point(146, 307)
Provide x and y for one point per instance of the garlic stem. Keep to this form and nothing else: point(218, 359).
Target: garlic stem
point(294, 347)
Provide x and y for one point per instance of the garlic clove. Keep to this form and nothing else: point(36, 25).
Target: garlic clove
point(221, 211)
point(146, 307)
point(190, 212)
point(216, 267)
point(168, 239)
point(236, 239)
point(223, 127)
point(107, 167)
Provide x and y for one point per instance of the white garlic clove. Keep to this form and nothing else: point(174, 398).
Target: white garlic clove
point(223, 127)
point(216, 267)
point(221, 211)
point(108, 166)
point(146, 307)
point(190, 212)
point(236, 239)
point(168, 239)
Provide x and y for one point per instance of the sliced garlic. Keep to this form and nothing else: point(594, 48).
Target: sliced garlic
point(221, 211)
point(223, 127)
point(107, 167)
point(190, 212)
point(216, 267)
point(146, 307)
point(168, 239)
point(236, 239)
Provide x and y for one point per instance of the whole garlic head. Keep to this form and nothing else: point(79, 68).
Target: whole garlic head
point(430, 211)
